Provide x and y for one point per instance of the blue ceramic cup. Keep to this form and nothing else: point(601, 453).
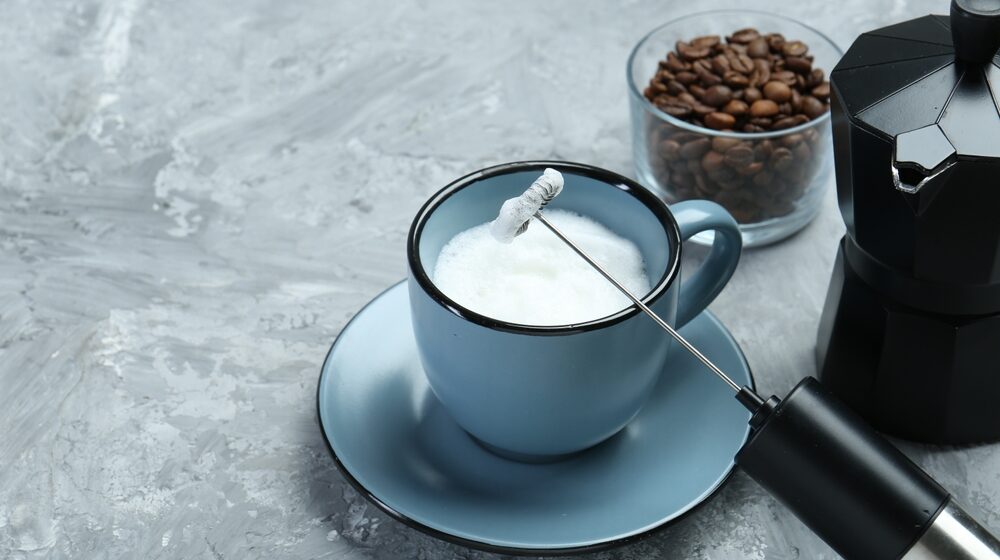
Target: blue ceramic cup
point(541, 392)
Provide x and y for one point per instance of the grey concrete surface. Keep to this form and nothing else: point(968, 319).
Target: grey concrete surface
point(196, 196)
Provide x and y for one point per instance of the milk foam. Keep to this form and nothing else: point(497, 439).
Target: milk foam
point(537, 279)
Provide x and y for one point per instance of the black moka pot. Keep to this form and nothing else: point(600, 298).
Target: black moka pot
point(910, 333)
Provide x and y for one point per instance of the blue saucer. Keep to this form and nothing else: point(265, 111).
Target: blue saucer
point(397, 445)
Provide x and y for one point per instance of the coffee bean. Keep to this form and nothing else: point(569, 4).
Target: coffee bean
point(736, 108)
point(752, 94)
point(784, 122)
point(669, 149)
point(696, 148)
point(780, 159)
point(712, 161)
point(739, 156)
point(721, 143)
point(676, 110)
point(703, 110)
point(822, 91)
point(705, 42)
point(815, 78)
point(686, 77)
point(758, 48)
point(798, 64)
point(676, 64)
point(763, 108)
point(812, 107)
point(785, 76)
point(763, 70)
point(717, 96)
point(675, 87)
point(777, 91)
point(720, 64)
point(796, 101)
point(689, 52)
point(707, 78)
point(791, 140)
point(735, 80)
point(720, 121)
point(743, 36)
point(737, 64)
point(775, 41)
point(794, 48)
point(751, 168)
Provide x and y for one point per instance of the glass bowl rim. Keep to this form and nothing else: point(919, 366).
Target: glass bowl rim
point(649, 106)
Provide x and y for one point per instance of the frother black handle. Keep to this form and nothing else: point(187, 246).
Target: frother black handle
point(848, 484)
point(975, 29)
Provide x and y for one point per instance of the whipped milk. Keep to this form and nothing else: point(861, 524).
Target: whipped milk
point(536, 279)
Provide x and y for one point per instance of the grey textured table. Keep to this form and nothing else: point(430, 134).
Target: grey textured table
point(196, 196)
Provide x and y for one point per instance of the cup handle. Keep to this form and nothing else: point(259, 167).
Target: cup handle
point(693, 217)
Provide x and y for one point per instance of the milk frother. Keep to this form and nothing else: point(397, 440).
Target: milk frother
point(849, 485)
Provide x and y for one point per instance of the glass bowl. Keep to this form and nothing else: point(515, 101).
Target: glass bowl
point(771, 200)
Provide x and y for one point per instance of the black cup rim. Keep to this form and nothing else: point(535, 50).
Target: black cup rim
point(611, 179)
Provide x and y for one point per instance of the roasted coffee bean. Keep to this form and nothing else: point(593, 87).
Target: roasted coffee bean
point(721, 143)
point(751, 168)
point(763, 70)
point(720, 121)
point(794, 48)
point(697, 148)
point(758, 48)
point(822, 91)
point(780, 159)
point(705, 42)
point(798, 64)
point(815, 77)
point(720, 64)
point(785, 122)
point(763, 108)
point(676, 110)
point(812, 107)
point(675, 87)
point(717, 96)
point(739, 156)
point(686, 77)
point(775, 41)
point(712, 161)
point(707, 78)
point(689, 52)
point(675, 64)
point(785, 76)
point(752, 94)
point(743, 36)
point(735, 80)
point(703, 110)
point(736, 108)
point(777, 91)
point(669, 149)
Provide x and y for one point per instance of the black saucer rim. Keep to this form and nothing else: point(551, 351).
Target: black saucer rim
point(490, 547)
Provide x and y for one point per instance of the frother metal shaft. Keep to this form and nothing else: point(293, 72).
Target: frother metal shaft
point(638, 303)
